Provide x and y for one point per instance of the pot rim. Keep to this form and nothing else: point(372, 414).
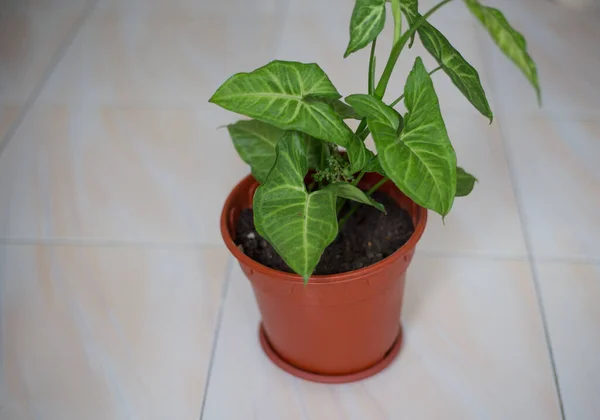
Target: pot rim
point(405, 249)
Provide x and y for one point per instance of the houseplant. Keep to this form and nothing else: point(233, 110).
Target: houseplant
point(304, 193)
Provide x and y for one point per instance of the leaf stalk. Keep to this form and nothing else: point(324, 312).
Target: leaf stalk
point(393, 104)
point(398, 47)
point(372, 68)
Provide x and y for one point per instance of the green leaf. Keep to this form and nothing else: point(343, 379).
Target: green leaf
point(343, 110)
point(465, 182)
point(344, 190)
point(299, 225)
point(510, 41)
point(463, 75)
point(420, 159)
point(290, 96)
point(368, 106)
point(255, 142)
point(410, 7)
point(368, 19)
point(317, 152)
point(373, 165)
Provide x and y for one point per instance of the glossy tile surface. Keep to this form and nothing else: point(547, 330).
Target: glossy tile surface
point(557, 181)
point(570, 293)
point(117, 174)
point(8, 114)
point(118, 300)
point(31, 34)
point(107, 333)
point(562, 42)
point(463, 319)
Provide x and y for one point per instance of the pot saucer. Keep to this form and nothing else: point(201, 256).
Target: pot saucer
point(330, 379)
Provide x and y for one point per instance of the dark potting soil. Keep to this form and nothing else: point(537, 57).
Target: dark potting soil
point(367, 237)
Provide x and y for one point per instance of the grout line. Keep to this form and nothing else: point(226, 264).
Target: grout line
point(536, 282)
point(56, 58)
point(528, 244)
point(471, 255)
point(120, 243)
point(569, 260)
point(79, 242)
point(217, 330)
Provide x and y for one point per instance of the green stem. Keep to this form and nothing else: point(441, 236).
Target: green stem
point(358, 178)
point(393, 104)
point(361, 126)
point(397, 14)
point(397, 49)
point(402, 96)
point(372, 68)
point(369, 193)
point(377, 186)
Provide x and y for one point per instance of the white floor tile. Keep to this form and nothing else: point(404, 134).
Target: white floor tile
point(192, 7)
point(487, 221)
point(570, 294)
point(118, 174)
point(563, 44)
point(106, 333)
point(557, 180)
point(29, 38)
point(474, 349)
point(175, 59)
point(8, 115)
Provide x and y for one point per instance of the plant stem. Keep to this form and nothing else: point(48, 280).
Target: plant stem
point(358, 178)
point(377, 186)
point(355, 206)
point(372, 68)
point(397, 14)
point(402, 96)
point(397, 49)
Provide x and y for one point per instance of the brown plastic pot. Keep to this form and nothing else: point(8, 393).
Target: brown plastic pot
point(337, 328)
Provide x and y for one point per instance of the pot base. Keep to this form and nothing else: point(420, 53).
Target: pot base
point(330, 379)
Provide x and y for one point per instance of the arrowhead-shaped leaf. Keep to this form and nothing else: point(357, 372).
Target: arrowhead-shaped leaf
point(290, 96)
point(510, 41)
point(463, 75)
point(420, 159)
point(368, 19)
point(465, 182)
point(255, 142)
point(299, 225)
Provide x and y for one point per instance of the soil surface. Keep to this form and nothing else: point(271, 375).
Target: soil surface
point(369, 236)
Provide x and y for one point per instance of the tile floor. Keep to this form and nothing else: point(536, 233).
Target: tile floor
point(119, 301)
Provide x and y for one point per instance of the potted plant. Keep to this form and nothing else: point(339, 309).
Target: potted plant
point(326, 236)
